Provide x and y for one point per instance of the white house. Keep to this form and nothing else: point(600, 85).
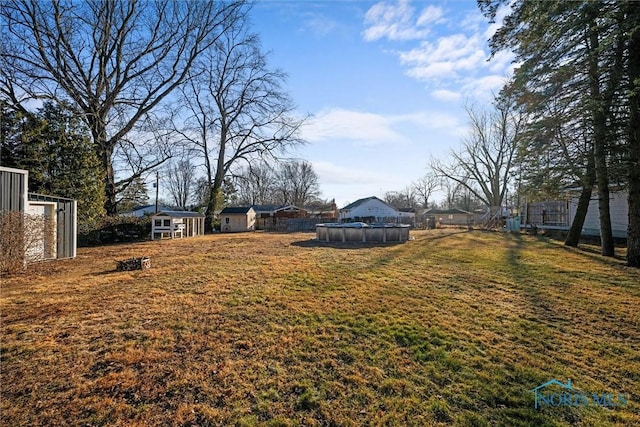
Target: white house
point(370, 209)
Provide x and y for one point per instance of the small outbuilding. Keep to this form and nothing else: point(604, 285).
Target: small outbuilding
point(176, 224)
point(455, 217)
point(47, 224)
point(236, 219)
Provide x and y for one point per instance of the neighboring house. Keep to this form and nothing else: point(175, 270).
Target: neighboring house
point(52, 232)
point(264, 211)
point(176, 224)
point(439, 217)
point(290, 211)
point(265, 216)
point(559, 214)
point(141, 211)
point(321, 210)
point(370, 209)
point(234, 219)
point(618, 209)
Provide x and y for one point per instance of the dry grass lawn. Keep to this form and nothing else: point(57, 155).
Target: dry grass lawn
point(452, 328)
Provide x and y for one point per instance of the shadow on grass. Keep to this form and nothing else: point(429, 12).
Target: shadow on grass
point(444, 236)
point(529, 278)
point(103, 272)
point(594, 254)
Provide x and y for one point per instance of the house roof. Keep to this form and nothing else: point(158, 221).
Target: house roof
point(235, 210)
point(289, 208)
point(366, 199)
point(446, 212)
point(264, 208)
point(407, 210)
point(180, 214)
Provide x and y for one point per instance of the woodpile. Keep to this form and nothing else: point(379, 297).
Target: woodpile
point(134, 264)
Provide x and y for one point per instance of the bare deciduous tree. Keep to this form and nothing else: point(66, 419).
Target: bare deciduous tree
point(297, 183)
point(402, 199)
point(256, 184)
point(237, 109)
point(116, 60)
point(484, 162)
point(180, 180)
point(425, 187)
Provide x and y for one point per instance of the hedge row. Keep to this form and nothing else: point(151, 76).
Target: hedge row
point(112, 229)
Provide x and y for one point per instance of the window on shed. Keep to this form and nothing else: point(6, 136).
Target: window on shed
point(167, 222)
point(226, 220)
point(158, 222)
point(450, 216)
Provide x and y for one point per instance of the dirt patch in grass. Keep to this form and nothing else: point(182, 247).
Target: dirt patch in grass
point(271, 329)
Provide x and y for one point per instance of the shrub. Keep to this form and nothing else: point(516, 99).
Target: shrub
point(113, 229)
point(24, 238)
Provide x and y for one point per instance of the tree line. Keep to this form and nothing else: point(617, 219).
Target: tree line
point(290, 182)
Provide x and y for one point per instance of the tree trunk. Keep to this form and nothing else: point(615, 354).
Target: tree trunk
point(104, 151)
point(599, 137)
point(633, 231)
point(214, 190)
point(573, 238)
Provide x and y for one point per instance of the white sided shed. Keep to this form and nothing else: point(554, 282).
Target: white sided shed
point(176, 224)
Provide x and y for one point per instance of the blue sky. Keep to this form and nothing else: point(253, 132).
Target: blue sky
point(385, 83)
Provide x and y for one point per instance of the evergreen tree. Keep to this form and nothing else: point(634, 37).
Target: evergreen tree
point(133, 195)
point(583, 46)
point(55, 147)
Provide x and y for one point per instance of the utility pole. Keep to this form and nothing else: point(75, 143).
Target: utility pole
point(157, 186)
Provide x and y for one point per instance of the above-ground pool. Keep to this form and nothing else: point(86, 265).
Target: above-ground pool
point(359, 232)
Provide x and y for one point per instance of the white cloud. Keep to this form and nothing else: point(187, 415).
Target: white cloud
point(371, 129)
point(444, 58)
point(502, 61)
point(456, 62)
point(430, 14)
point(331, 173)
point(319, 24)
point(356, 126)
point(485, 86)
point(446, 95)
point(397, 21)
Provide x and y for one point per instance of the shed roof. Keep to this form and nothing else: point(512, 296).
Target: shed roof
point(236, 210)
point(180, 214)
